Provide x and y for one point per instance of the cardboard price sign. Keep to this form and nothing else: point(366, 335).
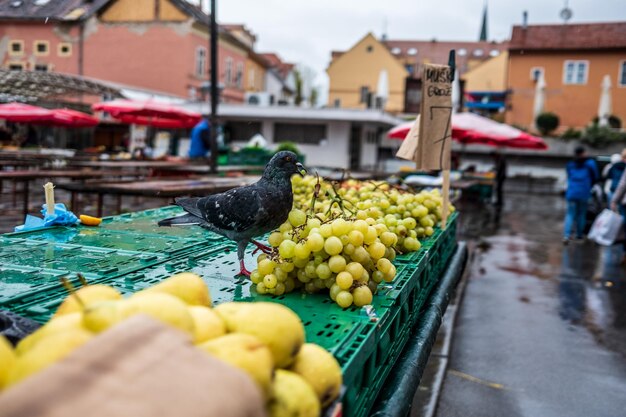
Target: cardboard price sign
point(428, 141)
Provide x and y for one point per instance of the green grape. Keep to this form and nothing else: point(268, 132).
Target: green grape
point(287, 236)
point(261, 257)
point(300, 262)
point(326, 230)
point(409, 244)
point(384, 265)
point(362, 296)
point(376, 250)
point(281, 275)
point(275, 239)
point(421, 211)
point(301, 251)
point(361, 255)
point(377, 277)
point(333, 245)
point(344, 299)
point(390, 254)
point(289, 285)
point(410, 223)
point(360, 226)
point(356, 238)
point(280, 289)
point(310, 288)
point(313, 223)
point(373, 287)
point(371, 235)
point(384, 204)
point(388, 239)
point(309, 270)
point(336, 263)
point(340, 227)
point(285, 227)
point(334, 290)
point(319, 283)
point(286, 249)
point(390, 220)
point(315, 242)
point(318, 259)
point(302, 276)
point(429, 231)
point(370, 222)
point(260, 288)
point(426, 222)
point(256, 277)
point(344, 239)
point(365, 277)
point(349, 249)
point(355, 269)
point(329, 282)
point(401, 230)
point(420, 231)
point(323, 271)
point(297, 217)
point(389, 276)
point(344, 280)
point(286, 266)
point(266, 267)
point(270, 281)
point(361, 214)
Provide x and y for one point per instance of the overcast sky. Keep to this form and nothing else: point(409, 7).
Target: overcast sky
point(305, 31)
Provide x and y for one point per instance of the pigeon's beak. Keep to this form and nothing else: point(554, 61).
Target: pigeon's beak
point(301, 169)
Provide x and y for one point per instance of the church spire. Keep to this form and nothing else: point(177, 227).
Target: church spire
point(483, 27)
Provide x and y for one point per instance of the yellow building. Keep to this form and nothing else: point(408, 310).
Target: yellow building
point(354, 74)
point(485, 85)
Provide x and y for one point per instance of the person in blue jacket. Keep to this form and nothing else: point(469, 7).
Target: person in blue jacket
point(200, 135)
point(582, 174)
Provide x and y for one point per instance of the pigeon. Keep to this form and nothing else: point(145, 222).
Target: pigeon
point(244, 213)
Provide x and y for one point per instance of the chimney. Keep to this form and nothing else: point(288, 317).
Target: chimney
point(525, 19)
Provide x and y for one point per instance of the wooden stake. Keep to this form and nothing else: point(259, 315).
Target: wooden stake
point(445, 190)
point(49, 189)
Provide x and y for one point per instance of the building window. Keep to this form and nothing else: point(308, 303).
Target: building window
point(308, 134)
point(251, 78)
point(369, 48)
point(494, 52)
point(412, 51)
point(462, 52)
point(622, 74)
point(16, 48)
point(41, 48)
point(535, 73)
point(478, 52)
point(41, 67)
point(396, 51)
point(64, 49)
point(229, 71)
point(201, 61)
point(575, 72)
point(16, 66)
point(239, 76)
point(365, 93)
point(337, 103)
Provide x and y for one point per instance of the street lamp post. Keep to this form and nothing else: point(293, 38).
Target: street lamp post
point(213, 122)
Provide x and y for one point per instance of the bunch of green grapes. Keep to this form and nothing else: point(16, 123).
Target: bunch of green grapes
point(349, 257)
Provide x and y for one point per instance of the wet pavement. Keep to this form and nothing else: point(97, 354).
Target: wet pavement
point(541, 330)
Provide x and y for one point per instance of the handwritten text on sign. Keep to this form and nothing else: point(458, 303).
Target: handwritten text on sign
point(433, 151)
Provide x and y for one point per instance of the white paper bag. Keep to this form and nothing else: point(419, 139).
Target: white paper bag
point(606, 227)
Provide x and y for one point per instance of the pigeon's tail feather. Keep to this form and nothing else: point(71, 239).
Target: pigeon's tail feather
point(184, 220)
point(189, 204)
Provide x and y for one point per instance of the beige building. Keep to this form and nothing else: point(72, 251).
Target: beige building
point(354, 76)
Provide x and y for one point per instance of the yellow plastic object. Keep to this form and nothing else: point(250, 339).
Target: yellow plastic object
point(90, 221)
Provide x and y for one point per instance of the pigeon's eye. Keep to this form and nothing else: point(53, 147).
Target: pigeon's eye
point(288, 158)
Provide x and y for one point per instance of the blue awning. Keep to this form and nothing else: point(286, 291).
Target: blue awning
point(494, 105)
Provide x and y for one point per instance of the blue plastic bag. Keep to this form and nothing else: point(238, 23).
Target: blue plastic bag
point(61, 217)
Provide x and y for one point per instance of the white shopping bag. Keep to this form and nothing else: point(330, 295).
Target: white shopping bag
point(606, 228)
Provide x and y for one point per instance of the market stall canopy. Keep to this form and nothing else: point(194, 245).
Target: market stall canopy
point(72, 118)
point(25, 113)
point(470, 128)
point(150, 113)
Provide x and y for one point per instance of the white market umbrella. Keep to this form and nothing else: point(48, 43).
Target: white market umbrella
point(604, 109)
point(382, 90)
point(456, 92)
point(540, 97)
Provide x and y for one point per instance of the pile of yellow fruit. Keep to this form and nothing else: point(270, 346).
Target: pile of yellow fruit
point(265, 340)
point(344, 238)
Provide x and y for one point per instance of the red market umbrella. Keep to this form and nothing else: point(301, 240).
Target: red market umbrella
point(149, 113)
point(72, 118)
point(24, 113)
point(470, 128)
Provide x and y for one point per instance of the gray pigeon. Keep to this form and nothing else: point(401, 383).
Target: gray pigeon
point(244, 213)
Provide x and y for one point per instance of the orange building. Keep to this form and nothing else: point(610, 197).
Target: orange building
point(160, 45)
point(573, 58)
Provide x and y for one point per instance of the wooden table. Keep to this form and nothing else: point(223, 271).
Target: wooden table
point(125, 164)
point(157, 188)
point(25, 176)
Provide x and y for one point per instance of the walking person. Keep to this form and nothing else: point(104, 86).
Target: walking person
point(618, 203)
point(582, 174)
point(614, 173)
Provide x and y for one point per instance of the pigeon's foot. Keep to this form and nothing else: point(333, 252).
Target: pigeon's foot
point(242, 269)
point(261, 247)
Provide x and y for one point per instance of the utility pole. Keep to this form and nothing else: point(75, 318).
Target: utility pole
point(213, 122)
